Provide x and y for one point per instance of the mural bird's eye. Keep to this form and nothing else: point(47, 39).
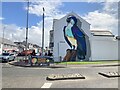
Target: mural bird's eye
point(68, 20)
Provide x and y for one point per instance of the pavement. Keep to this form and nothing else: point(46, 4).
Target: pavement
point(19, 63)
point(54, 65)
point(24, 64)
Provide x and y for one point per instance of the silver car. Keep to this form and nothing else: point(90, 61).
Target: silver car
point(7, 57)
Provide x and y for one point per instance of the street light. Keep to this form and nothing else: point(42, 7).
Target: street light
point(43, 33)
point(27, 28)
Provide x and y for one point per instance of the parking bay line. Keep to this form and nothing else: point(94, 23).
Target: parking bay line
point(46, 85)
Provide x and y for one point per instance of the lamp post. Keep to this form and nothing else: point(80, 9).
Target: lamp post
point(3, 39)
point(43, 33)
point(26, 43)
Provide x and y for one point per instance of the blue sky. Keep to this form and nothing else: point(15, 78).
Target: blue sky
point(101, 16)
point(15, 13)
point(80, 7)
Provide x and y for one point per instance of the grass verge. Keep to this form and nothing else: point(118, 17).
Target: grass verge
point(89, 62)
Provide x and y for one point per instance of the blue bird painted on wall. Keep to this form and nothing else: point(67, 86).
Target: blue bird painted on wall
point(75, 37)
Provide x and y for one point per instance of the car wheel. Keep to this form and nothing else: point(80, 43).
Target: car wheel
point(13, 59)
point(8, 60)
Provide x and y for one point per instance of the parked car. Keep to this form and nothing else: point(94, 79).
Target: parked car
point(6, 57)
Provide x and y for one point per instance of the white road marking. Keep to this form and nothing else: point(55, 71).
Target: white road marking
point(46, 85)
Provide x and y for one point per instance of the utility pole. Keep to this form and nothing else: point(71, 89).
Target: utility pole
point(43, 33)
point(26, 44)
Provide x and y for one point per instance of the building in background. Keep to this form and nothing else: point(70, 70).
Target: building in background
point(104, 45)
point(60, 45)
point(35, 47)
point(31, 46)
point(20, 46)
point(51, 43)
point(7, 45)
point(101, 45)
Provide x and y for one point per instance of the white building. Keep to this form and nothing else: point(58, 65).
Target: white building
point(7, 45)
point(104, 46)
point(31, 46)
point(101, 45)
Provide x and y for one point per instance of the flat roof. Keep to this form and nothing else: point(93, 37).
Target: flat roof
point(7, 41)
point(101, 33)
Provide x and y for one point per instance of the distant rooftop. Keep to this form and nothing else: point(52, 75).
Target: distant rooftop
point(24, 43)
point(101, 33)
point(6, 41)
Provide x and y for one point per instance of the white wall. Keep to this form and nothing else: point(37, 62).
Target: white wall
point(58, 37)
point(60, 44)
point(0, 48)
point(104, 48)
point(118, 49)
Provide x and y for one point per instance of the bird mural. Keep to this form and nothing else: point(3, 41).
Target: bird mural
point(75, 37)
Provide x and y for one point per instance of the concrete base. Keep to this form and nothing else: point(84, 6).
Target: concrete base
point(64, 77)
point(110, 74)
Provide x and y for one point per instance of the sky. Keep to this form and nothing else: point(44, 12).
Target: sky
point(101, 16)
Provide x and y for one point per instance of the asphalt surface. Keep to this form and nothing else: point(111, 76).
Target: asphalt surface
point(27, 77)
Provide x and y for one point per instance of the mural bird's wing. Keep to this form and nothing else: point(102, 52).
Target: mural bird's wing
point(80, 37)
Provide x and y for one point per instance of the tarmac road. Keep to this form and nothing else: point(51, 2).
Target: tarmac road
point(27, 77)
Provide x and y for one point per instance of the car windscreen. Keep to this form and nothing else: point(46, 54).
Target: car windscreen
point(5, 54)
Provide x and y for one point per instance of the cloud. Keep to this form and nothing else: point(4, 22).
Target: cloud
point(1, 18)
point(51, 8)
point(15, 33)
point(111, 8)
point(51, 12)
point(99, 1)
point(35, 32)
point(105, 19)
point(12, 32)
